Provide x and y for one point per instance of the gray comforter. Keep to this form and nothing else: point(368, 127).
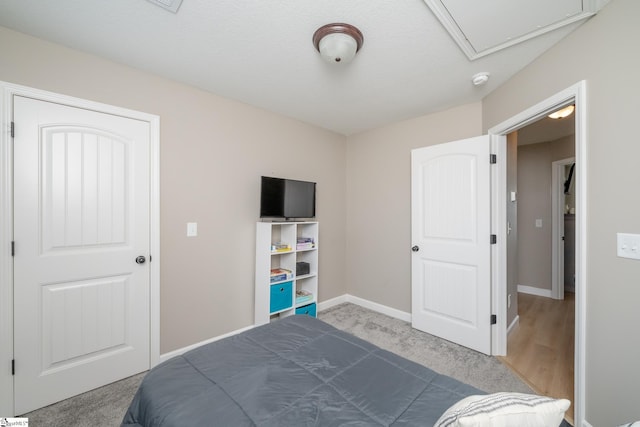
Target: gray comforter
point(297, 371)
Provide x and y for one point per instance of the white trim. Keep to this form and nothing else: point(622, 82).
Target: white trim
point(154, 244)
point(499, 284)
point(6, 261)
point(7, 92)
point(383, 309)
point(577, 94)
point(166, 356)
point(324, 305)
point(581, 255)
point(538, 111)
point(514, 324)
point(449, 23)
point(389, 311)
point(557, 225)
point(532, 290)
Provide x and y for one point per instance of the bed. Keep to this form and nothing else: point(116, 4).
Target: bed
point(296, 371)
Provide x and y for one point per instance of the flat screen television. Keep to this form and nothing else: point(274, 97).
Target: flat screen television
point(287, 198)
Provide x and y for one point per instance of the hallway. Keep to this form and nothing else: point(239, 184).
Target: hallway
point(541, 349)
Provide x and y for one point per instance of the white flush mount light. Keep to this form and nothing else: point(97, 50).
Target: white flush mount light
point(338, 43)
point(480, 79)
point(563, 112)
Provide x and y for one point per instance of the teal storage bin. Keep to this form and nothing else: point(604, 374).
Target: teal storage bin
point(309, 309)
point(281, 296)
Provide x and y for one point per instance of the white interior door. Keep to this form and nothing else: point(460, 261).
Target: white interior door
point(451, 226)
point(81, 190)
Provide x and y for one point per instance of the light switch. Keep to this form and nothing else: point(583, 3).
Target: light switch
point(629, 245)
point(513, 196)
point(192, 229)
point(538, 223)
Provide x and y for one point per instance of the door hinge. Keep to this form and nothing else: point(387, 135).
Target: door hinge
point(13, 129)
point(494, 319)
point(493, 159)
point(13, 248)
point(494, 239)
point(13, 366)
point(150, 258)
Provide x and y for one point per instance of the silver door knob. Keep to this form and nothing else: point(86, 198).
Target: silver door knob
point(415, 248)
point(141, 259)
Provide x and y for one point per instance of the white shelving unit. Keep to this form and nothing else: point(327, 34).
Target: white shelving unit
point(278, 299)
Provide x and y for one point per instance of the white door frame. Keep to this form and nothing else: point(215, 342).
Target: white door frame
point(7, 91)
point(557, 226)
point(574, 94)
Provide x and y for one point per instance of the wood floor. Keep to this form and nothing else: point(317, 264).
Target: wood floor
point(540, 350)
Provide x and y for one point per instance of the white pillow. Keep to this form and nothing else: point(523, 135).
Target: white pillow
point(505, 410)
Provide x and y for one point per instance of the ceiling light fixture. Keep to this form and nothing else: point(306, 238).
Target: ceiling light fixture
point(338, 42)
point(480, 79)
point(563, 112)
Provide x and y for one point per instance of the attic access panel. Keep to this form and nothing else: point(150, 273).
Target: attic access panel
point(170, 5)
point(484, 27)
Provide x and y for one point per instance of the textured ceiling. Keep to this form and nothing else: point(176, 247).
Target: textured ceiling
point(260, 53)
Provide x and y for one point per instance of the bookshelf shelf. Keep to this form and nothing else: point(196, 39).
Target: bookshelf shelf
point(302, 239)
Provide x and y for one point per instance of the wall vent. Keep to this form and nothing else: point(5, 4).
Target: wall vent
point(170, 5)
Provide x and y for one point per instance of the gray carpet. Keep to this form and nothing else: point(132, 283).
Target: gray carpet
point(106, 406)
point(479, 370)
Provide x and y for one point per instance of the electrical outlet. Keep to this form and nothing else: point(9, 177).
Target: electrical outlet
point(538, 223)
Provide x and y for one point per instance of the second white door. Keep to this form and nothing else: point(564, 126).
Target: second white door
point(451, 228)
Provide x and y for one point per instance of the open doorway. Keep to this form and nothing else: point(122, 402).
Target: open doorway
point(540, 207)
point(575, 94)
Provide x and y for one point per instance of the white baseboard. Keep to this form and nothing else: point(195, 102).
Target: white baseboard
point(383, 309)
point(332, 302)
point(392, 312)
point(169, 355)
point(389, 311)
point(584, 424)
point(532, 290)
point(514, 324)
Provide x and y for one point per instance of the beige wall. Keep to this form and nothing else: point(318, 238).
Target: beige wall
point(534, 202)
point(213, 152)
point(207, 282)
point(379, 201)
point(604, 52)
